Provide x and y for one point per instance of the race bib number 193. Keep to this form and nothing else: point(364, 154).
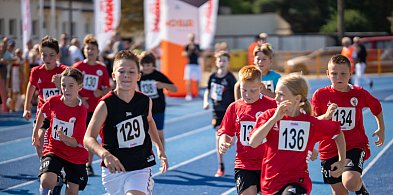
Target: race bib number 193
point(130, 133)
point(293, 135)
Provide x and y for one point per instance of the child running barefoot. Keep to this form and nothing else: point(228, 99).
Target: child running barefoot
point(344, 103)
point(291, 133)
point(124, 120)
point(238, 121)
point(65, 149)
point(220, 89)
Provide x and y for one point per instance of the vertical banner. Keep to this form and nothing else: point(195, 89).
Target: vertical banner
point(26, 22)
point(152, 12)
point(178, 19)
point(207, 23)
point(107, 18)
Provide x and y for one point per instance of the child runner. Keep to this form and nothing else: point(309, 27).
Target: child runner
point(65, 149)
point(220, 89)
point(291, 133)
point(152, 84)
point(344, 103)
point(125, 123)
point(95, 83)
point(44, 78)
point(238, 121)
point(263, 59)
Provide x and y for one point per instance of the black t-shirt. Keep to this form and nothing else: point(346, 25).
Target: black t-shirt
point(361, 53)
point(192, 53)
point(147, 86)
point(221, 90)
point(125, 132)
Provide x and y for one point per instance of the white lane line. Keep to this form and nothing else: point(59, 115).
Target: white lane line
point(20, 185)
point(18, 159)
point(18, 127)
point(195, 131)
point(187, 116)
point(188, 161)
point(15, 141)
point(389, 98)
point(376, 158)
point(229, 191)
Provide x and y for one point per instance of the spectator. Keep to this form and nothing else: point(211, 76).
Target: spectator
point(65, 57)
point(348, 50)
point(259, 40)
point(75, 51)
point(192, 71)
point(360, 63)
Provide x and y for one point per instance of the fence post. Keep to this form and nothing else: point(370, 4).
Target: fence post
point(379, 61)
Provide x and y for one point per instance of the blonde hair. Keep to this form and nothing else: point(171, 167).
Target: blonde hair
point(298, 85)
point(250, 73)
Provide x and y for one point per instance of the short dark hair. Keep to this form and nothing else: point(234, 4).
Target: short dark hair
point(127, 55)
point(50, 42)
point(74, 73)
point(148, 57)
point(90, 39)
point(340, 59)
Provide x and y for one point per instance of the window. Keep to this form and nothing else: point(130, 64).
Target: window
point(12, 27)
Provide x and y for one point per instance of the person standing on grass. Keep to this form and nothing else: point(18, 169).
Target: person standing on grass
point(220, 89)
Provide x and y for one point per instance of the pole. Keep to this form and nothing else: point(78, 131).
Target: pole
point(340, 19)
point(70, 17)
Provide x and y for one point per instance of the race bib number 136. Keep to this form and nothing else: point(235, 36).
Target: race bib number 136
point(293, 135)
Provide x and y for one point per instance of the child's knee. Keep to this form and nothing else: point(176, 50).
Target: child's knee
point(352, 182)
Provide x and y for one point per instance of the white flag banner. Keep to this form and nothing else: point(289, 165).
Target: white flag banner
point(207, 23)
point(152, 10)
point(107, 18)
point(26, 22)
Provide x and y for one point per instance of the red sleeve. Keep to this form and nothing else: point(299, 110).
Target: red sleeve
point(373, 103)
point(33, 78)
point(45, 109)
point(315, 104)
point(262, 119)
point(105, 78)
point(228, 122)
point(326, 129)
point(80, 125)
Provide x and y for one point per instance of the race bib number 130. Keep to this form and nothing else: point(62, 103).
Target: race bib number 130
point(293, 135)
point(130, 133)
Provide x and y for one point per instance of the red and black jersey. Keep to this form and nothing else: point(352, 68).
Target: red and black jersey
point(350, 115)
point(72, 121)
point(125, 132)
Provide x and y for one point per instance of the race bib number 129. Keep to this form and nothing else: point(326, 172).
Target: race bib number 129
point(130, 133)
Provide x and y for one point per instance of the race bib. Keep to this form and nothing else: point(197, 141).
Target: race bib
point(148, 87)
point(48, 92)
point(293, 135)
point(269, 85)
point(216, 91)
point(90, 82)
point(130, 133)
point(245, 129)
point(346, 117)
point(66, 127)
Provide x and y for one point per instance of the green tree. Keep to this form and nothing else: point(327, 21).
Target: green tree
point(354, 20)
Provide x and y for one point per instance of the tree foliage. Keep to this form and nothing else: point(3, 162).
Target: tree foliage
point(307, 16)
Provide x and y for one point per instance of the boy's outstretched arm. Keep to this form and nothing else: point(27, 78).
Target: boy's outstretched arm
point(380, 132)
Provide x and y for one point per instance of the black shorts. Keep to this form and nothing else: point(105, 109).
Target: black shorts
point(45, 124)
point(246, 178)
point(356, 157)
point(88, 118)
point(217, 118)
point(75, 173)
point(292, 189)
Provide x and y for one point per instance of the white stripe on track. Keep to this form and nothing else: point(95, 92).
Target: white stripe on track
point(229, 191)
point(18, 159)
point(20, 185)
point(187, 116)
point(377, 157)
point(18, 127)
point(15, 141)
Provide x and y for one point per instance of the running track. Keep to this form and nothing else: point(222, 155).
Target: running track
point(190, 148)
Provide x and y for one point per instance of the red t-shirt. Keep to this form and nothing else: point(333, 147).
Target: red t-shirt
point(239, 120)
point(73, 122)
point(349, 113)
point(41, 79)
point(288, 148)
point(94, 77)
